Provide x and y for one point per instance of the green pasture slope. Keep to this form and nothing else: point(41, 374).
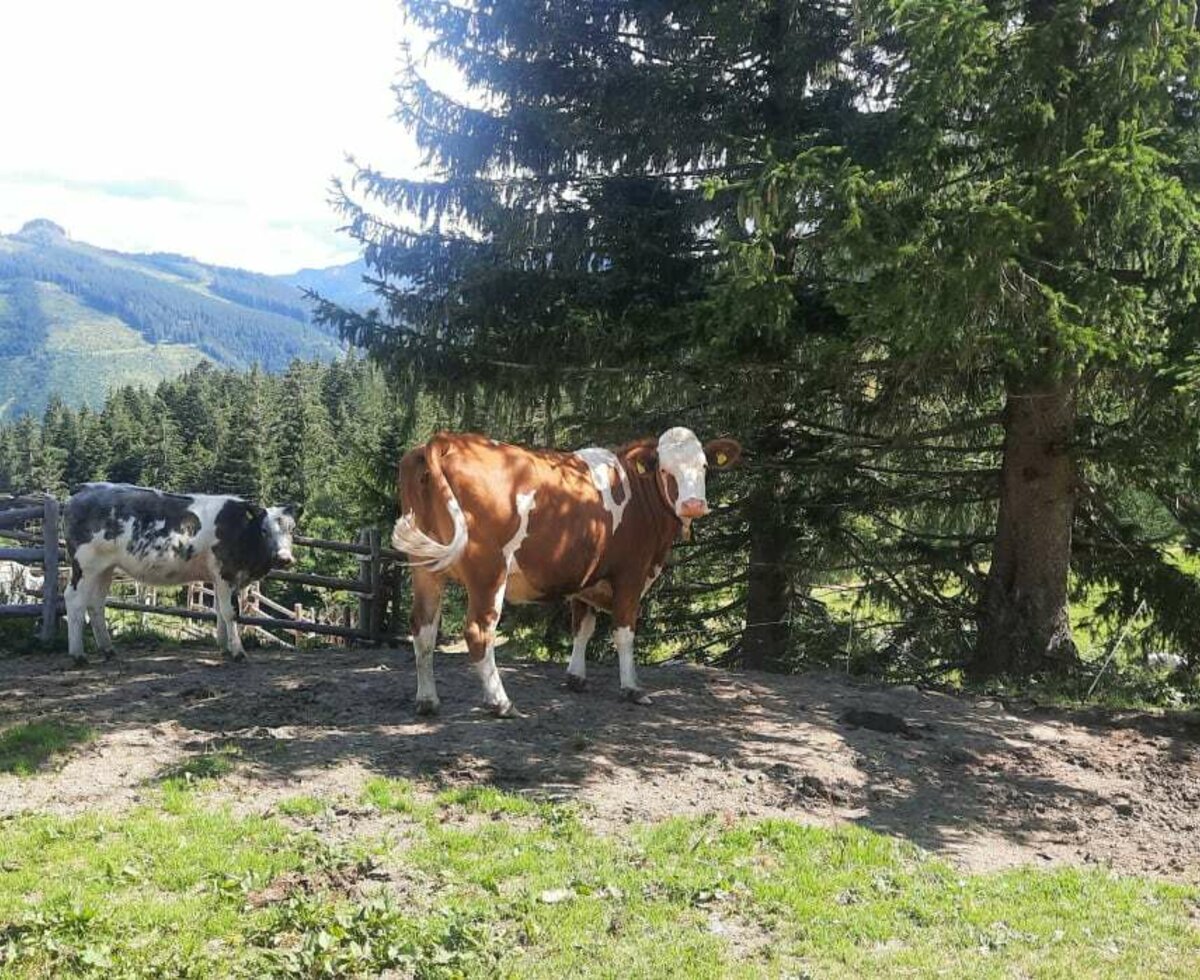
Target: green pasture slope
point(479, 883)
point(87, 353)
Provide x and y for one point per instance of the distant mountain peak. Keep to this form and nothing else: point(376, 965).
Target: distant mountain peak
point(42, 230)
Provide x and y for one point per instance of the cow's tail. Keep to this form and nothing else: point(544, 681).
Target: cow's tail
point(422, 550)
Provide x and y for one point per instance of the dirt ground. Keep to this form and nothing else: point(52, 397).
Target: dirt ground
point(985, 785)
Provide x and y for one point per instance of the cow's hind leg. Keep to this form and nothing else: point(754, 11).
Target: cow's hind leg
point(583, 625)
point(428, 588)
point(483, 613)
point(97, 592)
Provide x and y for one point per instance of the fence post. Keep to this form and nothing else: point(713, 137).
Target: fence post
point(378, 594)
point(50, 570)
point(364, 578)
point(396, 623)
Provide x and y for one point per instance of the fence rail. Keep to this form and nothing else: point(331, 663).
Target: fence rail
point(372, 586)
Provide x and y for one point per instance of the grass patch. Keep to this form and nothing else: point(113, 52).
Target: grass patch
point(487, 799)
point(202, 893)
point(183, 778)
point(25, 748)
point(145, 894)
point(301, 806)
point(393, 796)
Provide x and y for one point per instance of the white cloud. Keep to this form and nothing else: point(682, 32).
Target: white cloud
point(211, 129)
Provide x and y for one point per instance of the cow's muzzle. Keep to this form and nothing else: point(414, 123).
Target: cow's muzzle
point(693, 507)
point(285, 561)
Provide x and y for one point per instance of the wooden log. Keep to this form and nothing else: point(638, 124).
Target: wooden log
point(321, 543)
point(324, 581)
point(22, 499)
point(19, 515)
point(25, 611)
point(26, 556)
point(15, 535)
point(269, 603)
point(346, 548)
point(266, 622)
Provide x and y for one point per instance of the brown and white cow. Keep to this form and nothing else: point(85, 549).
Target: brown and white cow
point(527, 525)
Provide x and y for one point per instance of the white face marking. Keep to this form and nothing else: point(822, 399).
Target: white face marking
point(524, 506)
point(681, 455)
point(281, 526)
point(602, 464)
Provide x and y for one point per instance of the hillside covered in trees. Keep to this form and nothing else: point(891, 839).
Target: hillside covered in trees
point(77, 321)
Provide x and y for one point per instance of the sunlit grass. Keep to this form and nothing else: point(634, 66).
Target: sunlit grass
point(200, 892)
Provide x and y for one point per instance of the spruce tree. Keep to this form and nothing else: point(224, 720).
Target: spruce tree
point(1029, 233)
point(557, 278)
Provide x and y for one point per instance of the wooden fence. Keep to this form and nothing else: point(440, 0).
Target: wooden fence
point(377, 584)
point(33, 548)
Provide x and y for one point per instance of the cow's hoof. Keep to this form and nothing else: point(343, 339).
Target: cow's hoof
point(79, 662)
point(237, 658)
point(576, 683)
point(109, 655)
point(428, 706)
point(635, 695)
point(506, 709)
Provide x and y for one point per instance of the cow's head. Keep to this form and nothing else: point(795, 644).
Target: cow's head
point(279, 524)
point(680, 463)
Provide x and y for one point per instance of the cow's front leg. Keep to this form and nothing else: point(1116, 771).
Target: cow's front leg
point(76, 602)
point(625, 612)
point(583, 625)
point(483, 613)
point(232, 646)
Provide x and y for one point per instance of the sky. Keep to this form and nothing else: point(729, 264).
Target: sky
point(211, 129)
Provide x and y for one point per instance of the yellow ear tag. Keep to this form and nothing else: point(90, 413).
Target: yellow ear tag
point(641, 467)
point(722, 459)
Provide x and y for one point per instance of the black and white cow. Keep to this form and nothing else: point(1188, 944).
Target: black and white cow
point(168, 539)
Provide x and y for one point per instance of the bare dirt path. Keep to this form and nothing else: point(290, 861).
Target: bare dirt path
point(981, 784)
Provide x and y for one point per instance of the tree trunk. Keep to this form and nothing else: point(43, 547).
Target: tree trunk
point(765, 638)
point(1024, 619)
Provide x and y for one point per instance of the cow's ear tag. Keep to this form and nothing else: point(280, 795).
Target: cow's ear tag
point(722, 459)
point(641, 467)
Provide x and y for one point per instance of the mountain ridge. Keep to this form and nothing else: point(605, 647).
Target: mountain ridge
point(77, 319)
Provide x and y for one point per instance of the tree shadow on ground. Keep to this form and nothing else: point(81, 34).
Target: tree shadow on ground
point(971, 778)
